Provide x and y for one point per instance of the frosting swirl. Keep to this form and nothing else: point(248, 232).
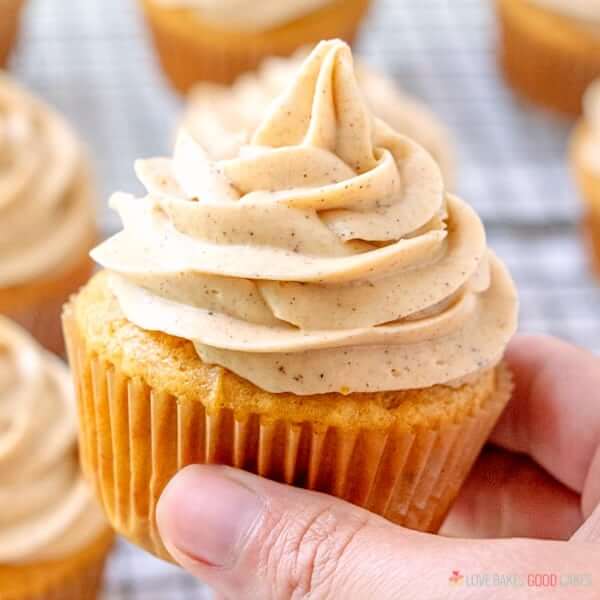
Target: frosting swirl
point(249, 16)
point(45, 208)
point(223, 118)
point(584, 10)
point(324, 257)
point(46, 510)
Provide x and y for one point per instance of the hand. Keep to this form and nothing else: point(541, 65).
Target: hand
point(249, 537)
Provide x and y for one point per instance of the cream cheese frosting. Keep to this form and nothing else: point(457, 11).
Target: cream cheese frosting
point(324, 257)
point(46, 510)
point(223, 118)
point(45, 208)
point(584, 10)
point(590, 150)
point(249, 16)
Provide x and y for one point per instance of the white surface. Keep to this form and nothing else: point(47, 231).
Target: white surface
point(91, 59)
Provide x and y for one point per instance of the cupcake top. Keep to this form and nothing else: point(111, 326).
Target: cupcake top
point(223, 118)
point(46, 510)
point(585, 10)
point(325, 257)
point(590, 149)
point(249, 16)
point(44, 195)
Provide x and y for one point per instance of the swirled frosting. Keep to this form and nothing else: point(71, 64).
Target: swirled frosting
point(249, 16)
point(584, 10)
point(46, 511)
point(324, 257)
point(223, 118)
point(45, 208)
point(590, 149)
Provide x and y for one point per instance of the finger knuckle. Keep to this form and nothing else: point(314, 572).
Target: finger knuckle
point(303, 554)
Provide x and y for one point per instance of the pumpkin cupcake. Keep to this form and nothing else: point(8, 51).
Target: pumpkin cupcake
point(216, 40)
point(585, 163)
point(550, 49)
point(315, 310)
point(46, 214)
point(222, 118)
point(53, 536)
point(10, 13)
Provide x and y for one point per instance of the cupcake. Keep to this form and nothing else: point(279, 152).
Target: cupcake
point(216, 40)
point(10, 12)
point(46, 214)
point(315, 310)
point(53, 536)
point(550, 49)
point(222, 118)
point(585, 163)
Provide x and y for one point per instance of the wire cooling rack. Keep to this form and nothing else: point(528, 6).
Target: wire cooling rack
point(92, 59)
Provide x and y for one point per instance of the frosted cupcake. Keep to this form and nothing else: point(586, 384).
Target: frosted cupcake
point(316, 310)
point(222, 118)
point(216, 40)
point(550, 49)
point(53, 536)
point(585, 162)
point(46, 214)
point(10, 16)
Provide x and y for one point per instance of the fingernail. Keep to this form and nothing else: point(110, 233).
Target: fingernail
point(205, 514)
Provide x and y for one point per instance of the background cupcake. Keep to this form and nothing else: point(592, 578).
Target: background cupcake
point(585, 162)
point(53, 536)
point(550, 49)
point(216, 40)
point(223, 117)
point(10, 13)
point(46, 214)
point(316, 310)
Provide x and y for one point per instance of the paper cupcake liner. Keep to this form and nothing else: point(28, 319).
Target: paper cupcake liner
point(38, 306)
point(77, 578)
point(10, 12)
point(190, 52)
point(134, 438)
point(548, 58)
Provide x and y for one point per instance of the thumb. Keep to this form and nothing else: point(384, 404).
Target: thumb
point(249, 537)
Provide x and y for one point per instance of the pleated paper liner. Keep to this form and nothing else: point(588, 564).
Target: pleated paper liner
point(38, 306)
point(549, 58)
point(10, 13)
point(77, 577)
point(191, 51)
point(133, 439)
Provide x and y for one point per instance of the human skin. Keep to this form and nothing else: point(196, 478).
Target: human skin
point(530, 507)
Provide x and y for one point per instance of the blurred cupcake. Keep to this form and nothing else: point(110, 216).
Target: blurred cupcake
point(550, 49)
point(316, 310)
point(222, 118)
point(53, 536)
point(10, 13)
point(216, 40)
point(585, 162)
point(46, 214)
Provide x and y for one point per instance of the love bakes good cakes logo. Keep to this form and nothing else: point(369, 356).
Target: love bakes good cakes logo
point(519, 580)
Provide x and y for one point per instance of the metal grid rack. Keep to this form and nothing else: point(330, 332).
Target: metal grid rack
point(92, 60)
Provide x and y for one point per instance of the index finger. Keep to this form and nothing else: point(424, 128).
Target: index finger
point(554, 415)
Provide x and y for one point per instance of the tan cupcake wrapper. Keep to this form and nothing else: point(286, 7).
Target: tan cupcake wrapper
point(134, 439)
point(190, 53)
point(551, 63)
point(10, 12)
point(76, 578)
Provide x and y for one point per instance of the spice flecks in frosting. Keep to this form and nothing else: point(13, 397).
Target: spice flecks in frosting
point(324, 257)
point(46, 510)
point(45, 207)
